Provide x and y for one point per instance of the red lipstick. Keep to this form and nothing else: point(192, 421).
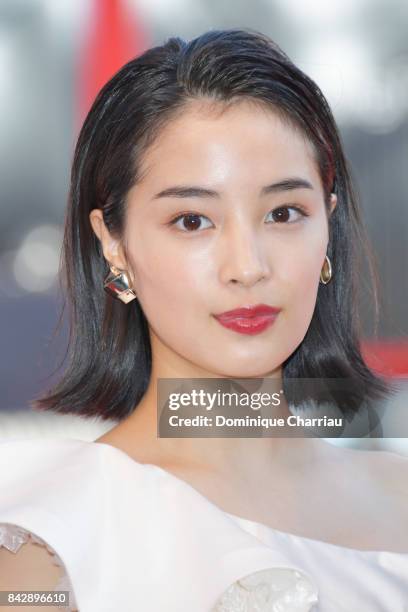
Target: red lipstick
point(249, 319)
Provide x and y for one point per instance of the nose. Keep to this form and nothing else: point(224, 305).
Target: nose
point(243, 261)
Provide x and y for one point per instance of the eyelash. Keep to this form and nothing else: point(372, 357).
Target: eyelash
point(298, 209)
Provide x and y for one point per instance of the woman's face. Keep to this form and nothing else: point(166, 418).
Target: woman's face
point(243, 246)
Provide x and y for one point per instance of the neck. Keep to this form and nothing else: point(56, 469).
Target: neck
point(239, 457)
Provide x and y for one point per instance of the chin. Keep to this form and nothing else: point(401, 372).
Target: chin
point(246, 372)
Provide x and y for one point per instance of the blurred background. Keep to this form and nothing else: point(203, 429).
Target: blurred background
point(54, 57)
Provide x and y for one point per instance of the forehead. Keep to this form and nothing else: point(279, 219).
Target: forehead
point(245, 141)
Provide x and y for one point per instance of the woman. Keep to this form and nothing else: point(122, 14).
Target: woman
point(208, 177)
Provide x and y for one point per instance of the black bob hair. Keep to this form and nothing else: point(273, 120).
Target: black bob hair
point(109, 346)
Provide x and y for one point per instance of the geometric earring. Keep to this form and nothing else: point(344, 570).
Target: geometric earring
point(117, 285)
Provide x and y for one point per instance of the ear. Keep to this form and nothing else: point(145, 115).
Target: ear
point(333, 202)
point(111, 247)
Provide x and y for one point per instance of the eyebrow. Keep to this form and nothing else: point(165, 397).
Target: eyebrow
point(192, 191)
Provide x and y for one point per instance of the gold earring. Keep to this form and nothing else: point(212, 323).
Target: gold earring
point(117, 285)
point(326, 272)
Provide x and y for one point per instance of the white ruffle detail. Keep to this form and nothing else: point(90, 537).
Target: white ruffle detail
point(13, 537)
point(271, 590)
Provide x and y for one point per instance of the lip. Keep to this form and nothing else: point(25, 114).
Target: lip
point(249, 311)
point(249, 319)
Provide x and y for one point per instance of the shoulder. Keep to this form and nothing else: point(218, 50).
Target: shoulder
point(386, 465)
point(391, 471)
point(77, 484)
point(370, 495)
point(28, 453)
point(384, 474)
point(367, 459)
point(52, 467)
point(380, 474)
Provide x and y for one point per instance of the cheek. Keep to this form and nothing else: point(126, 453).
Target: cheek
point(171, 285)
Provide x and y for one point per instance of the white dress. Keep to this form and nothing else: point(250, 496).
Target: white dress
point(134, 537)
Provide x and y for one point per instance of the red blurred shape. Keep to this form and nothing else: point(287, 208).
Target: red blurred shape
point(388, 357)
point(112, 36)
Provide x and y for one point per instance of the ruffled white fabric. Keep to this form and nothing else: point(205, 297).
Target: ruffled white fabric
point(270, 590)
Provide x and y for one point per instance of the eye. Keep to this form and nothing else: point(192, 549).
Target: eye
point(190, 221)
point(281, 214)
